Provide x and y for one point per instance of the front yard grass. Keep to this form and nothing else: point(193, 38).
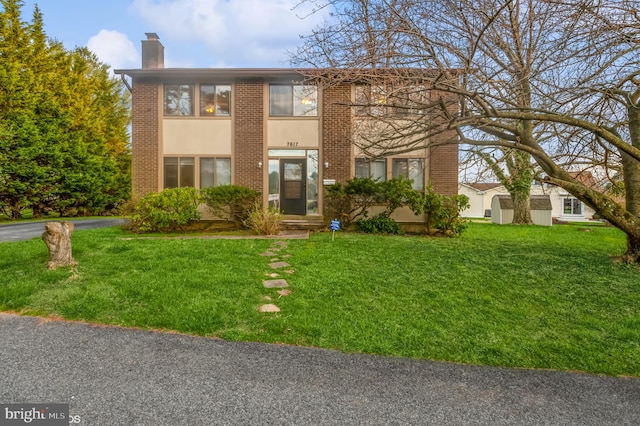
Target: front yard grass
point(516, 296)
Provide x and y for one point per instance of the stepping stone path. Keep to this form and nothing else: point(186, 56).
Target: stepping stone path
point(276, 263)
point(275, 283)
point(269, 307)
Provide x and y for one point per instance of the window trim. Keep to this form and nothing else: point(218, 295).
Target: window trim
point(573, 201)
point(215, 95)
point(369, 162)
point(196, 101)
point(417, 185)
point(389, 171)
point(292, 105)
point(398, 106)
point(197, 169)
point(179, 87)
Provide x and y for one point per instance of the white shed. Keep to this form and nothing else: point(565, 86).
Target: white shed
point(502, 209)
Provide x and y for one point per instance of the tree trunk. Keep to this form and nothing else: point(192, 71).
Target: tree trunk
point(16, 212)
point(521, 208)
point(633, 250)
point(57, 237)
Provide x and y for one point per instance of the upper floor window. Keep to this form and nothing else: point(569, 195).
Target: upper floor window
point(178, 99)
point(293, 101)
point(390, 100)
point(215, 100)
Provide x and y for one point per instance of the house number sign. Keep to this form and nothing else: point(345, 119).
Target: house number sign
point(292, 144)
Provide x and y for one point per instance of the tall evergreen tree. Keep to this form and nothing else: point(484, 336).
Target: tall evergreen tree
point(63, 124)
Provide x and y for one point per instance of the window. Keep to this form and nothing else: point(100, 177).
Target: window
point(390, 100)
point(181, 171)
point(374, 169)
point(215, 100)
point(178, 99)
point(293, 101)
point(412, 168)
point(215, 172)
point(572, 206)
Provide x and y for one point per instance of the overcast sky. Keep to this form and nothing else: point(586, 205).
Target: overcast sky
point(195, 33)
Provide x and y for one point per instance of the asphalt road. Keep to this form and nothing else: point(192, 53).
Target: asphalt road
point(116, 376)
point(28, 230)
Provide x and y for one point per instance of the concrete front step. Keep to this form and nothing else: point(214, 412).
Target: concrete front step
point(303, 224)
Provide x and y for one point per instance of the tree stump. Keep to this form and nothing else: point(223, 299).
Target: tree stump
point(57, 237)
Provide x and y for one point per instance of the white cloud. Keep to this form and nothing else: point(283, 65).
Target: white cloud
point(233, 31)
point(115, 49)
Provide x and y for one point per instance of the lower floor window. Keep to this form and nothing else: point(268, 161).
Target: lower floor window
point(215, 172)
point(374, 169)
point(572, 206)
point(181, 171)
point(411, 168)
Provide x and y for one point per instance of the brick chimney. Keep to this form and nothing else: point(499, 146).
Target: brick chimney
point(152, 52)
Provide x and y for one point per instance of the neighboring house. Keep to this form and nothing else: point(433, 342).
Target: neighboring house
point(480, 196)
point(564, 206)
point(267, 129)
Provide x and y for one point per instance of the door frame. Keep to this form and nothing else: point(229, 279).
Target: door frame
point(293, 206)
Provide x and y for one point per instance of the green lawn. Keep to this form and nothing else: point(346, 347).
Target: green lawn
point(518, 296)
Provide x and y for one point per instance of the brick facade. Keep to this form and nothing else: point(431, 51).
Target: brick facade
point(249, 139)
point(336, 129)
point(443, 165)
point(145, 139)
point(249, 133)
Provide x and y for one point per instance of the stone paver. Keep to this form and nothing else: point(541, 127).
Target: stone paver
point(278, 265)
point(284, 293)
point(275, 283)
point(267, 253)
point(269, 307)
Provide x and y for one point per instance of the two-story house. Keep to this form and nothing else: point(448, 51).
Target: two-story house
point(268, 129)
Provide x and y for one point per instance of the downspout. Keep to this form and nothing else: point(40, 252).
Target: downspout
point(126, 83)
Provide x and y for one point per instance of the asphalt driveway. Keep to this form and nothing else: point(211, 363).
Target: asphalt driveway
point(117, 376)
point(27, 230)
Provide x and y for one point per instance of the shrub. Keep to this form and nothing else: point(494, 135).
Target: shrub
point(351, 201)
point(264, 221)
point(170, 209)
point(449, 220)
point(230, 202)
point(379, 224)
point(440, 212)
point(395, 193)
point(427, 203)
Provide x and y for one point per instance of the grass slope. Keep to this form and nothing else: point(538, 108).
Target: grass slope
point(518, 296)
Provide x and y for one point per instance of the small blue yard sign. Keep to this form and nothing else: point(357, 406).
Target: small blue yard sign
point(334, 226)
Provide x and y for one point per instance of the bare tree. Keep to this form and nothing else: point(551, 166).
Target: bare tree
point(555, 80)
